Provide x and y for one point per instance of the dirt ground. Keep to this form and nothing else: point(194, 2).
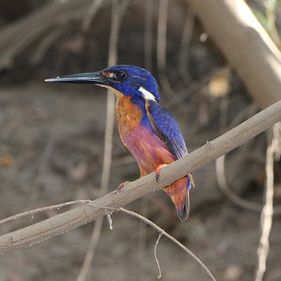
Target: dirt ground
point(51, 147)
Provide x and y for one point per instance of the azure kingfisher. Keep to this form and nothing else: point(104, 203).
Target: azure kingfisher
point(147, 130)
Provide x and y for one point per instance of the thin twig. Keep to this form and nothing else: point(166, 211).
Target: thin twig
point(163, 232)
point(225, 189)
point(163, 10)
point(185, 45)
point(267, 212)
point(117, 12)
point(91, 250)
point(155, 255)
point(223, 184)
point(148, 34)
point(162, 34)
point(109, 219)
point(81, 215)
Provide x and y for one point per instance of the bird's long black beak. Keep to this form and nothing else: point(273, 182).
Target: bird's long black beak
point(81, 78)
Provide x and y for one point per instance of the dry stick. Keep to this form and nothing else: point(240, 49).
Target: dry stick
point(162, 33)
point(221, 175)
point(155, 254)
point(107, 160)
point(245, 44)
point(107, 157)
point(267, 212)
point(109, 220)
point(225, 188)
point(185, 45)
point(223, 184)
point(87, 202)
point(83, 273)
point(163, 232)
point(148, 34)
point(148, 58)
point(163, 10)
point(82, 215)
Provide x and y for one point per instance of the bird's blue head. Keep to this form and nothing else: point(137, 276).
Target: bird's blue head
point(128, 80)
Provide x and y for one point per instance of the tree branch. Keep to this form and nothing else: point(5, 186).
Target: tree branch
point(171, 238)
point(82, 215)
point(245, 44)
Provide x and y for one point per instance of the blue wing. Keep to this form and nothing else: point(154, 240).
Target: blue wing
point(168, 131)
point(167, 128)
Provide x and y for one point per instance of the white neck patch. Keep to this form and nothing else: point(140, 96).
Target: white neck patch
point(146, 94)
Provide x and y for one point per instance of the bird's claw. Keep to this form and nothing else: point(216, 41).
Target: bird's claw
point(158, 172)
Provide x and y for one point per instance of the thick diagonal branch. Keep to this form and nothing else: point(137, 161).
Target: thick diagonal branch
point(134, 190)
point(245, 44)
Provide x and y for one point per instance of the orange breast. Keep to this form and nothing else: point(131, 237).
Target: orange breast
point(128, 114)
point(145, 146)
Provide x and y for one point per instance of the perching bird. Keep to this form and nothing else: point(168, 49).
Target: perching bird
point(147, 129)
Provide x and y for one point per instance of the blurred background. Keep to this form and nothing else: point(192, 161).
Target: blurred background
point(52, 139)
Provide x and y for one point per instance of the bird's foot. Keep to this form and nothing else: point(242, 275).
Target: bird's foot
point(121, 186)
point(158, 171)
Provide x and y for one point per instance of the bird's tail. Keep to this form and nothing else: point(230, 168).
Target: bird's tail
point(179, 194)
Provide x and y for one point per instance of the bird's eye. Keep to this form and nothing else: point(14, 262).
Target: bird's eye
point(121, 75)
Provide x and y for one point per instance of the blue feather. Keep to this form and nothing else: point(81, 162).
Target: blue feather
point(168, 131)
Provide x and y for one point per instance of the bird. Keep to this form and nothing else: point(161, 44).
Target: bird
point(147, 129)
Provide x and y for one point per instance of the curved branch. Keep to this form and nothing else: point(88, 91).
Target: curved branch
point(171, 238)
point(82, 215)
